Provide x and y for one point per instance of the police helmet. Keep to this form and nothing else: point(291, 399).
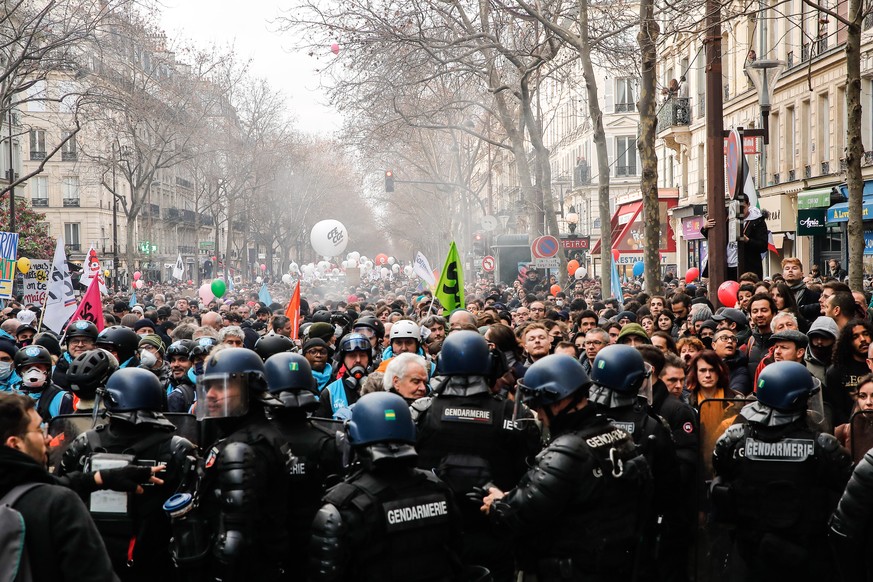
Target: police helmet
point(270, 345)
point(119, 339)
point(381, 417)
point(354, 342)
point(32, 355)
point(82, 328)
point(229, 362)
point(620, 368)
point(289, 378)
point(202, 346)
point(321, 316)
point(464, 353)
point(133, 389)
point(180, 348)
point(371, 322)
point(552, 379)
point(785, 386)
point(231, 380)
point(89, 371)
point(405, 328)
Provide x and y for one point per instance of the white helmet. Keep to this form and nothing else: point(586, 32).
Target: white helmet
point(405, 328)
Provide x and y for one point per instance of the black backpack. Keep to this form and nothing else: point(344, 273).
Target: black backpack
point(14, 561)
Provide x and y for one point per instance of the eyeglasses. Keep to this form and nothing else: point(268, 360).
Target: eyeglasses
point(726, 338)
point(317, 352)
point(537, 308)
point(80, 341)
point(594, 343)
point(43, 428)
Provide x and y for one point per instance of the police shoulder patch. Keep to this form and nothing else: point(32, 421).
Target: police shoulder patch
point(210, 458)
point(688, 427)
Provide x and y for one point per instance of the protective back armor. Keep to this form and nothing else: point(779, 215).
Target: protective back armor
point(403, 527)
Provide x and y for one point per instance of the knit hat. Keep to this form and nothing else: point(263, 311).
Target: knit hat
point(8, 346)
point(633, 329)
point(315, 343)
point(626, 314)
point(321, 330)
point(155, 340)
point(144, 322)
point(49, 342)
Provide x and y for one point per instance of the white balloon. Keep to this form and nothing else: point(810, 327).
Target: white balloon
point(293, 268)
point(335, 271)
point(369, 264)
point(391, 260)
point(407, 270)
point(384, 272)
point(580, 273)
point(395, 268)
point(259, 279)
point(286, 278)
point(355, 256)
point(329, 237)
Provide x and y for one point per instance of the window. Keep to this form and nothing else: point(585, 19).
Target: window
point(37, 144)
point(624, 95)
point(70, 190)
point(71, 235)
point(39, 191)
point(36, 97)
point(69, 151)
point(824, 128)
point(626, 156)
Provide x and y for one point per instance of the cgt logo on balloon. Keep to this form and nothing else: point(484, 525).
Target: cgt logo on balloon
point(329, 238)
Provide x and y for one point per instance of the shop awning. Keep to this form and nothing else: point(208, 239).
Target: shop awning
point(622, 220)
point(840, 212)
point(868, 189)
point(627, 227)
point(817, 198)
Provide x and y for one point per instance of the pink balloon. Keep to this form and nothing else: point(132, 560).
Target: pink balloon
point(205, 293)
point(139, 284)
point(263, 267)
point(334, 48)
point(691, 274)
point(136, 275)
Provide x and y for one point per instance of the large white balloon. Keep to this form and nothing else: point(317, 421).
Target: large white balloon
point(580, 273)
point(354, 256)
point(384, 272)
point(286, 278)
point(407, 270)
point(395, 268)
point(391, 260)
point(329, 238)
point(293, 268)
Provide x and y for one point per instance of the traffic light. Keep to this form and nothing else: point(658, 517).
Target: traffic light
point(389, 180)
point(478, 243)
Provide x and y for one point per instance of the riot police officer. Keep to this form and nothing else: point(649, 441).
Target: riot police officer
point(122, 342)
point(34, 365)
point(81, 337)
point(620, 389)
point(241, 497)
point(317, 457)
point(778, 480)
point(388, 521)
point(182, 386)
point(354, 357)
point(136, 530)
point(471, 437)
point(576, 510)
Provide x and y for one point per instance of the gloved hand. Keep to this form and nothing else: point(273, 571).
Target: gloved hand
point(128, 478)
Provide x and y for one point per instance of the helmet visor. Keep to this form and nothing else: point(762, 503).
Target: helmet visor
point(538, 398)
point(356, 344)
point(366, 332)
point(222, 396)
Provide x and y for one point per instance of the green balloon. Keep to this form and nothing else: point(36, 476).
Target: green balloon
point(218, 287)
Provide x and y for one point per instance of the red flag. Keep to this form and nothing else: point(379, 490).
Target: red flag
point(91, 308)
point(292, 312)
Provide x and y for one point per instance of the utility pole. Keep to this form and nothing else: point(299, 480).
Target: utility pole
point(10, 172)
point(716, 236)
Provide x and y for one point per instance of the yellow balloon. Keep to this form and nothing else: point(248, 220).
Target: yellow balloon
point(24, 264)
point(106, 273)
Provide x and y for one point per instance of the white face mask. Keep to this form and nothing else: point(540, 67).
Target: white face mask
point(147, 358)
point(559, 302)
point(33, 378)
point(5, 370)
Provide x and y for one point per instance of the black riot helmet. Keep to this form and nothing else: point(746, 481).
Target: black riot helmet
point(135, 395)
point(464, 353)
point(381, 428)
point(370, 322)
point(785, 386)
point(551, 379)
point(90, 371)
point(180, 348)
point(272, 344)
point(617, 374)
point(289, 378)
point(119, 339)
point(232, 380)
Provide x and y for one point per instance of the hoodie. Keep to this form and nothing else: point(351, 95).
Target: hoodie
point(822, 325)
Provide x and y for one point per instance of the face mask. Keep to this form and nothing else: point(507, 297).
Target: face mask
point(25, 343)
point(147, 358)
point(338, 330)
point(5, 370)
point(357, 372)
point(559, 303)
point(707, 342)
point(33, 378)
point(198, 368)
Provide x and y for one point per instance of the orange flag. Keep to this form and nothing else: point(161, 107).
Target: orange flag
point(91, 308)
point(293, 312)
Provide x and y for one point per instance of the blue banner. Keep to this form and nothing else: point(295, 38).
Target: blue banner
point(840, 212)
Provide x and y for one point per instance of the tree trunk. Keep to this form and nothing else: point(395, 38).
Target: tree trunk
point(602, 156)
point(855, 149)
point(646, 38)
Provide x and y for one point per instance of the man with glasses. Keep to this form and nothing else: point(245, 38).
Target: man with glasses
point(521, 316)
point(725, 345)
point(537, 311)
point(595, 340)
point(316, 352)
point(81, 337)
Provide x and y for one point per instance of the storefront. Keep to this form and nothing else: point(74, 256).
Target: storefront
point(627, 234)
point(812, 224)
point(695, 242)
point(836, 221)
point(781, 217)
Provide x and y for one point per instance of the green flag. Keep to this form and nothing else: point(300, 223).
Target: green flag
point(450, 287)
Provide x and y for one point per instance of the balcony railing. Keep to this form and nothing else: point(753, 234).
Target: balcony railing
point(39, 202)
point(625, 170)
point(804, 52)
point(36, 156)
point(675, 111)
point(701, 104)
point(825, 168)
point(807, 172)
point(71, 202)
point(844, 165)
point(188, 216)
point(172, 214)
point(776, 179)
point(792, 175)
point(69, 156)
point(74, 247)
point(789, 59)
point(188, 250)
point(625, 107)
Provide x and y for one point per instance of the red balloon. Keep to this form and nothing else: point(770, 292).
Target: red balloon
point(334, 48)
point(572, 266)
point(727, 293)
point(555, 289)
point(381, 259)
point(615, 256)
point(691, 274)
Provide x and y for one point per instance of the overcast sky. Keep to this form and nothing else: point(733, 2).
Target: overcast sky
point(246, 27)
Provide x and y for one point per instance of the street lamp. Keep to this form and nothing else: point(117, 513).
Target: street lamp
point(572, 221)
point(763, 73)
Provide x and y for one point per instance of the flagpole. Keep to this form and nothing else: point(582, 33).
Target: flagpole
point(41, 315)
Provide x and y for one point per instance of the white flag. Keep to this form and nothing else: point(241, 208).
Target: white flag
point(179, 269)
point(60, 301)
point(423, 270)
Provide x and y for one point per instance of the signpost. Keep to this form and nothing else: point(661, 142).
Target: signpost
point(488, 264)
point(543, 250)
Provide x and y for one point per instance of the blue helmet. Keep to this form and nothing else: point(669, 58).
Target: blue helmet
point(132, 389)
point(464, 353)
point(619, 368)
point(552, 379)
point(381, 417)
point(289, 378)
point(785, 386)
